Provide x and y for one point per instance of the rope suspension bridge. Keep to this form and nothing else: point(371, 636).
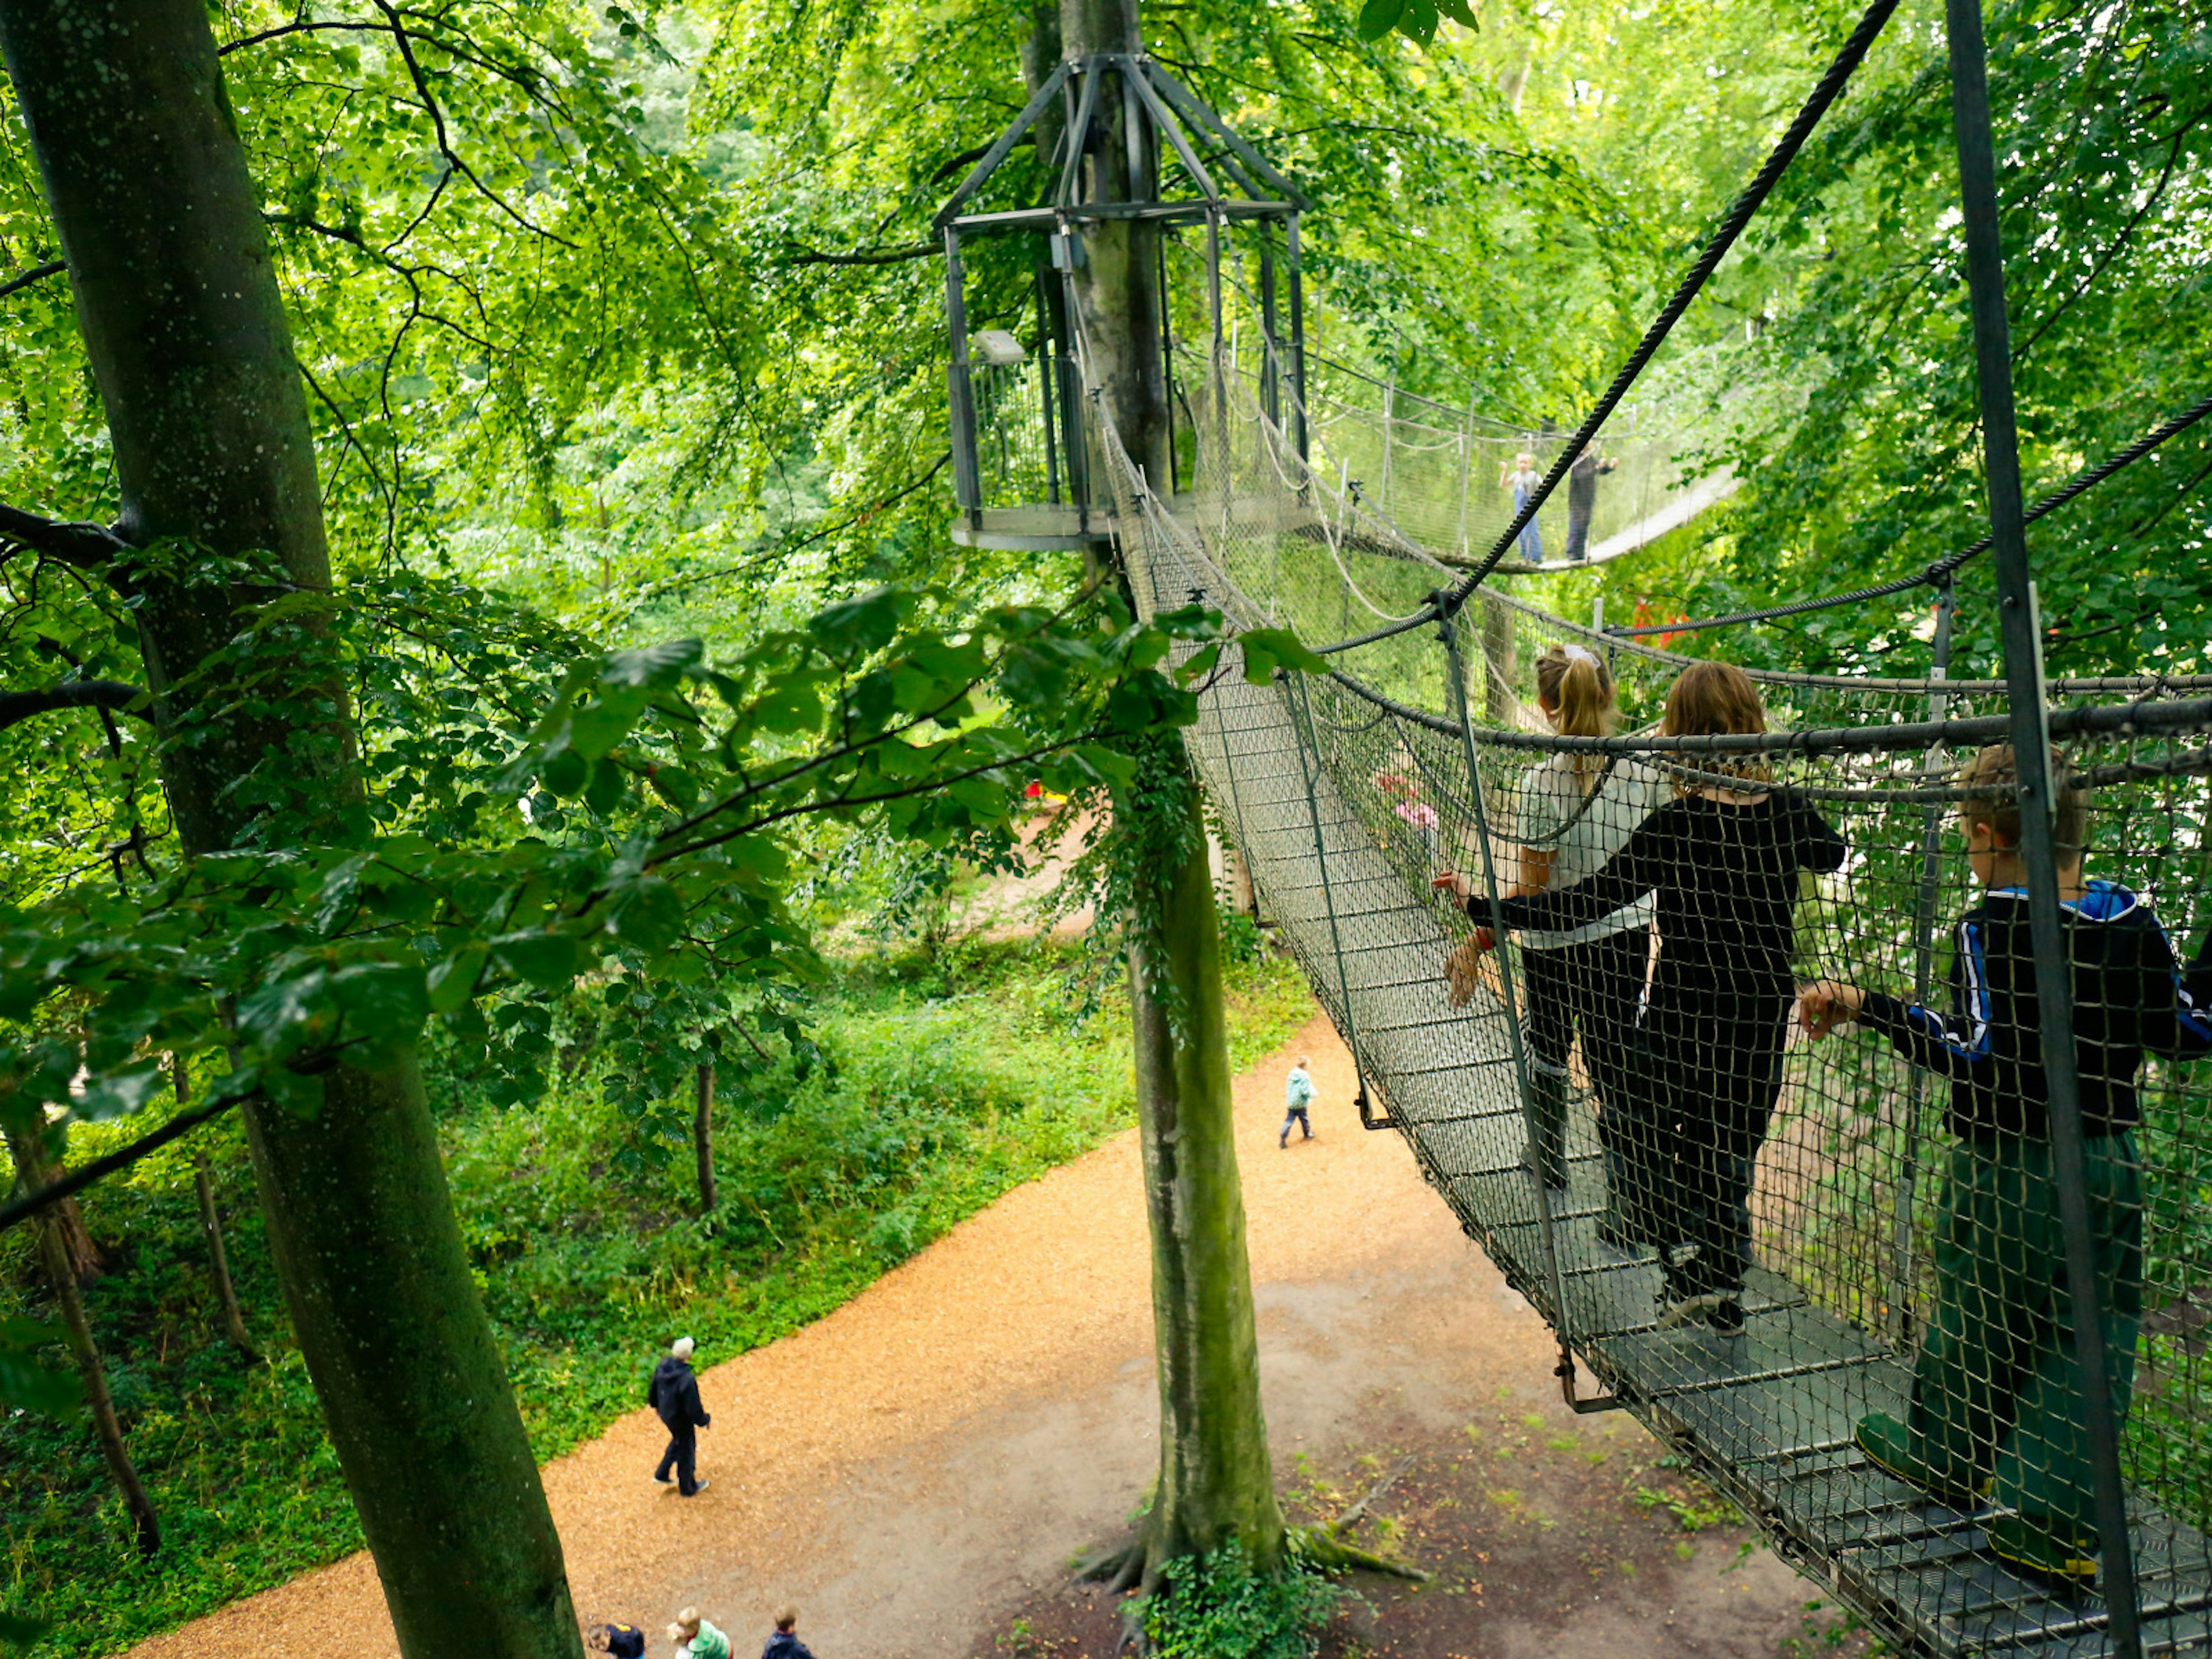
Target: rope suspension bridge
point(1900, 1263)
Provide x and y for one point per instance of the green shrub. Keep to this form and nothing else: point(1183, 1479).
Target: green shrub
point(1220, 1605)
point(946, 1084)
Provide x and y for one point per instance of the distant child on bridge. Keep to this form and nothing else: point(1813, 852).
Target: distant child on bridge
point(1996, 1392)
point(1523, 477)
point(1298, 1096)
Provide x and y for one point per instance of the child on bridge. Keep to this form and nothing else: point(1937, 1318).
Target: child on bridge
point(1723, 862)
point(1577, 811)
point(1996, 1393)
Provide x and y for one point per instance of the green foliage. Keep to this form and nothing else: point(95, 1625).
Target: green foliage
point(942, 1084)
point(1220, 1605)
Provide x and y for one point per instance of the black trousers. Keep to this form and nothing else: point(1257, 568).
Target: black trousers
point(682, 1455)
point(1713, 1077)
point(1593, 988)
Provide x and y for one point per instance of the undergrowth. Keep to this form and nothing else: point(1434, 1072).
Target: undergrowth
point(951, 1079)
point(1220, 1605)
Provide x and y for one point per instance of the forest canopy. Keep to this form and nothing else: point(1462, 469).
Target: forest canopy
point(650, 698)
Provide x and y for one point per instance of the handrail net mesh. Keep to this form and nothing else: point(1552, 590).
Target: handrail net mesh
point(1813, 1244)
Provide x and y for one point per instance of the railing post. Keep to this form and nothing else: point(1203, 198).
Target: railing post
point(1046, 400)
point(1924, 978)
point(967, 488)
point(1455, 670)
point(1308, 767)
point(1297, 334)
point(2023, 660)
point(1271, 389)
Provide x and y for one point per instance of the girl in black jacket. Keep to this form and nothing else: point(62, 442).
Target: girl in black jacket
point(1724, 864)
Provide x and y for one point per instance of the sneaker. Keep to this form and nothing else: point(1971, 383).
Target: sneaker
point(664, 1479)
point(703, 1484)
point(2026, 1547)
point(1888, 1446)
point(1699, 1309)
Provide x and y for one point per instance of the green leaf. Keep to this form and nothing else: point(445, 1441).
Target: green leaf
point(26, 1384)
point(649, 915)
point(454, 980)
point(610, 782)
point(564, 775)
point(654, 667)
point(860, 625)
point(552, 960)
point(1267, 649)
point(15, 1628)
point(1378, 17)
point(1459, 12)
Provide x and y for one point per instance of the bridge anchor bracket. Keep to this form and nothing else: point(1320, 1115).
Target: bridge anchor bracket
point(1368, 1120)
point(1564, 1370)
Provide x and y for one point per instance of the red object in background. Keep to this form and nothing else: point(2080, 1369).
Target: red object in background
point(1034, 792)
point(1644, 618)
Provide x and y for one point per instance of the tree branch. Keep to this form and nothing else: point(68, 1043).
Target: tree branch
point(874, 256)
point(19, 706)
point(88, 546)
point(82, 1176)
point(35, 274)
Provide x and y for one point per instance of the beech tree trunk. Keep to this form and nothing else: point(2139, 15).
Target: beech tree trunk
point(702, 1137)
point(99, 1403)
point(1215, 1480)
point(183, 326)
point(35, 1169)
point(234, 1318)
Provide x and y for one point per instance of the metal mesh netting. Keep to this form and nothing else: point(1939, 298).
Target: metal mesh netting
point(1802, 1261)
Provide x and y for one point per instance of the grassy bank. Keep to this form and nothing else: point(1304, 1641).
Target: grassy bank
point(950, 1084)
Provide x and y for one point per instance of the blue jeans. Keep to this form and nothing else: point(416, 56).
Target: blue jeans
point(1297, 1115)
point(1531, 541)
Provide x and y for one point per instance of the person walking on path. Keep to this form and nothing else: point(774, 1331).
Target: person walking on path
point(1582, 499)
point(623, 1641)
point(673, 1395)
point(1298, 1096)
point(785, 1643)
point(697, 1640)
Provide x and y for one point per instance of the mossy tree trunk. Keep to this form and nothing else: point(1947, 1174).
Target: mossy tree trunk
point(1215, 1480)
point(183, 327)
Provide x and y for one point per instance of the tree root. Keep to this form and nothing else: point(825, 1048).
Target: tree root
point(1117, 1566)
point(1321, 1547)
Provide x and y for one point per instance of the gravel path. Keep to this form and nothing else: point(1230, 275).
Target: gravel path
point(928, 1457)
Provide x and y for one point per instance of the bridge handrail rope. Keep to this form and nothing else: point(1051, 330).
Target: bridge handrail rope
point(1944, 568)
point(1349, 789)
point(1740, 214)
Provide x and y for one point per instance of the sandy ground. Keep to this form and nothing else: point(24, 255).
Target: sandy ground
point(919, 1467)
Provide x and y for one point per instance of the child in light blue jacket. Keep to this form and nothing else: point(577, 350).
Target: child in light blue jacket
point(1298, 1096)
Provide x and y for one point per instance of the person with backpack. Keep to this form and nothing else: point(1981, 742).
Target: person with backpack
point(673, 1393)
point(1298, 1096)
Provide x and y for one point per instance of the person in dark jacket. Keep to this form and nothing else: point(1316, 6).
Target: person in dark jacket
point(785, 1643)
point(1997, 1391)
point(673, 1393)
point(623, 1641)
point(1582, 499)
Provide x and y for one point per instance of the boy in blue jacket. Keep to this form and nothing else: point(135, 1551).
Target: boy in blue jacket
point(1996, 1407)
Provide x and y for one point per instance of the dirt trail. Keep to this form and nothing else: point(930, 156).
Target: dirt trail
point(921, 1463)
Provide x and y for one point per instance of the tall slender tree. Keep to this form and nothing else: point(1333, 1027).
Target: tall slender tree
point(184, 331)
point(1215, 1482)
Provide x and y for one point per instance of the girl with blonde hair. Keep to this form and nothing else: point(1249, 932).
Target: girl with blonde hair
point(1722, 863)
point(1576, 810)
